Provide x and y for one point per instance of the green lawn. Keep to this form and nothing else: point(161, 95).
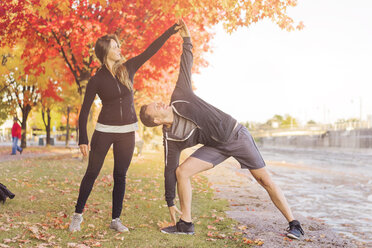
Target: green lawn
point(46, 190)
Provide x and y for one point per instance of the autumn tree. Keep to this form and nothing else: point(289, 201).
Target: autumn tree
point(69, 108)
point(69, 28)
point(20, 89)
point(49, 97)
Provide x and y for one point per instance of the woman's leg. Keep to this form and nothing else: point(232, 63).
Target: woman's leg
point(123, 152)
point(100, 144)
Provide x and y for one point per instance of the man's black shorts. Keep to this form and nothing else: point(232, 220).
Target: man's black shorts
point(241, 146)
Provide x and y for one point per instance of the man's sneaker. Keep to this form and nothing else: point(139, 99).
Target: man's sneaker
point(118, 226)
point(181, 227)
point(295, 230)
point(75, 222)
point(169, 230)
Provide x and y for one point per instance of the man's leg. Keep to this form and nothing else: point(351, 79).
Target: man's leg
point(187, 169)
point(264, 179)
point(14, 145)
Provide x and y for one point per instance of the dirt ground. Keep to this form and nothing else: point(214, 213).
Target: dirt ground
point(251, 206)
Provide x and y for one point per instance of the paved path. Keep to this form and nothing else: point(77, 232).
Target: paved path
point(34, 152)
point(251, 206)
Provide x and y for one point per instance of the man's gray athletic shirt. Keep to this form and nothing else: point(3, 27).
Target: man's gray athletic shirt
point(212, 127)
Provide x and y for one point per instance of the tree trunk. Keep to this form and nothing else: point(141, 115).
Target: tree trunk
point(46, 124)
point(77, 127)
point(48, 127)
point(68, 126)
point(25, 111)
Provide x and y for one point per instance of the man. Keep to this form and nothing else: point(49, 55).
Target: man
point(16, 135)
point(189, 121)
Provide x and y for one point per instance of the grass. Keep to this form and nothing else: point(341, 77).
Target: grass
point(46, 190)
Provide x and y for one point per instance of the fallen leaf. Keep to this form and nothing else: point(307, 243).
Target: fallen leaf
point(242, 227)
point(208, 239)
point(258, 242)
point(211, 227)
point(247, 241)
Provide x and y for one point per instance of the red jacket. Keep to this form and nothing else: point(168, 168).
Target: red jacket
point(16, 130)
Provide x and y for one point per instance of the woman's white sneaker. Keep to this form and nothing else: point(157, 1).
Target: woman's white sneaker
point(118, 226)
point(76, 220)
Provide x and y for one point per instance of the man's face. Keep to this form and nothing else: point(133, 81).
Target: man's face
point(159, 111)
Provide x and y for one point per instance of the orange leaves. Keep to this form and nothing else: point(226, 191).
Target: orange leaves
point(251, 242)
point(300, 26)
point(32, 198)
point(242, 227)
point(68, 30)
point(287, 239)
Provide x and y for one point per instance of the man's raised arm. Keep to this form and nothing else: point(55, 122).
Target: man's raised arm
point(184, 77)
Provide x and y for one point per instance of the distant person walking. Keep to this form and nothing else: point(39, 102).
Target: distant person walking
point(117, 121)
point(16, 135)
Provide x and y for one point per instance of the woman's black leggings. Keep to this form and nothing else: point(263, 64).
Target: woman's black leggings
point(123, 152)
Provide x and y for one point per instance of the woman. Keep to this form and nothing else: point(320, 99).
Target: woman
point(116, 123)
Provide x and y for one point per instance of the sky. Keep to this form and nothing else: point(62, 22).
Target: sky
point(321, 73)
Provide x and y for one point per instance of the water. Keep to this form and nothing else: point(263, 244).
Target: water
point(334, 186)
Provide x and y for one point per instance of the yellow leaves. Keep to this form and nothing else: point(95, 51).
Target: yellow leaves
point(242, 227)
point(103, 3)
point(64, 6)
point(255, 242)
point(251, 242)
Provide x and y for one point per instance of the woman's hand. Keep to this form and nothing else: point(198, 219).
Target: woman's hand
point(84, 149)
point(176, 27)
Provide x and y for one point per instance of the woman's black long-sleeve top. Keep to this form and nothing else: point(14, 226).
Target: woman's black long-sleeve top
point(117, 99)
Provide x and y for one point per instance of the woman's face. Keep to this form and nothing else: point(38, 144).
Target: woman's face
point(114, 53)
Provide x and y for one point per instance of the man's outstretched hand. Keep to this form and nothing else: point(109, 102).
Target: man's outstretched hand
point(184, 31)
point(172, 211)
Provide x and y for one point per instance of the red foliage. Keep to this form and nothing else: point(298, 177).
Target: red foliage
point(69, 28)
